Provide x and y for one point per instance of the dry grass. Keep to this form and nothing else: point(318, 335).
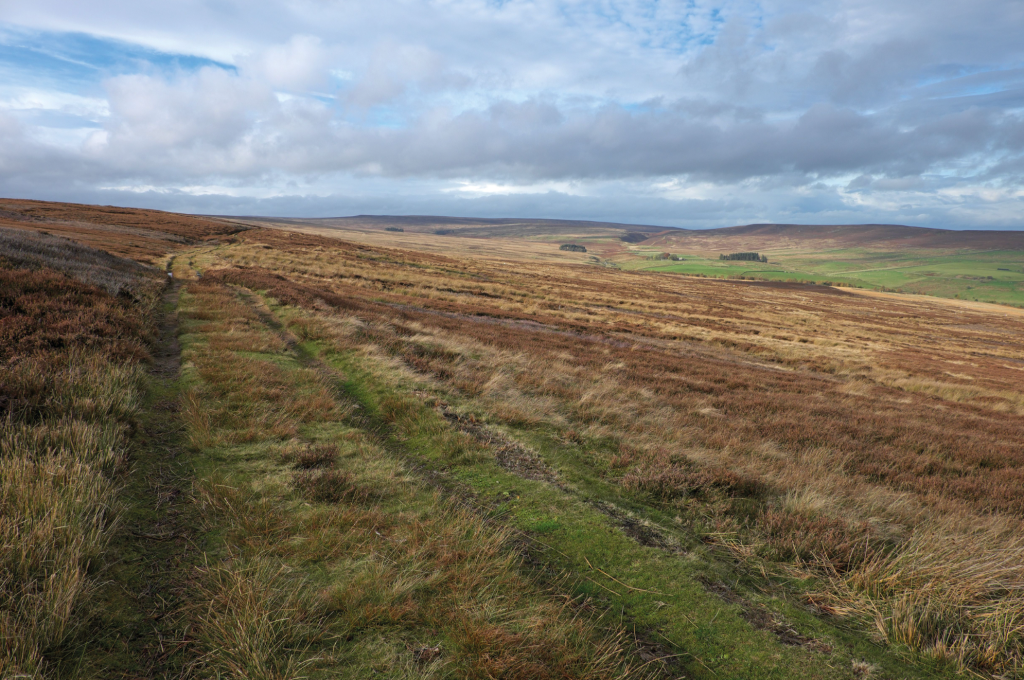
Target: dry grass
point(325, 564)
point(752, 402)
point(63, 447)
point(141, 235)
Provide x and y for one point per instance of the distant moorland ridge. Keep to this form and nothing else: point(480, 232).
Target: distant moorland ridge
point(143, 228)
point(844, 235)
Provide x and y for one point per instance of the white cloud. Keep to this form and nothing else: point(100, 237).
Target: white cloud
point(778, 107)
point(211, 108)
point(301, 64)
point(26, 99)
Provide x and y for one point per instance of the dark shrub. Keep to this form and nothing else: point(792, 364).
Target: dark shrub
point(331, 486)
point(313, 457)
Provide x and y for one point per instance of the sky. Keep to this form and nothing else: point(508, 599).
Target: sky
point(687, 113)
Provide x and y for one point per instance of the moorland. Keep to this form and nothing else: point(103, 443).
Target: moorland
point(282, 449)
point(983, 266)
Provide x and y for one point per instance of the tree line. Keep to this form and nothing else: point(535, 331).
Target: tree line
point(748, 257)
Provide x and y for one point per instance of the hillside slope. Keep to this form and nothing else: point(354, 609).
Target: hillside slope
point(386, 461)
point(470, 227)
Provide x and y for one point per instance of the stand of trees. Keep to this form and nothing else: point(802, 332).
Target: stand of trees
point(572, 247)
point(748, 257)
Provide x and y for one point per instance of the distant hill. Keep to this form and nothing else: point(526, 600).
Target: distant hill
point(476, 227)
point(138, 230)
point(744, 237)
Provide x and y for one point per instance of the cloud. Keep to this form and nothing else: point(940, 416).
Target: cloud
point(302, 63)
point(394, 69)
point(860, 108)
point(211, 108)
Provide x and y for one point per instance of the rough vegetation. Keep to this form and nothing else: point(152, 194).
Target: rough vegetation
point(71, 383)
point(146, 236)
point(21, 249)
point(415, 465)
point(348, 546)
point(772, 432)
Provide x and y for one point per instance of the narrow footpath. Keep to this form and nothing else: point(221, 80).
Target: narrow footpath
point(143, 636)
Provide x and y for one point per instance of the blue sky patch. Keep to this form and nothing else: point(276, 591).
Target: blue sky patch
point(79, 62)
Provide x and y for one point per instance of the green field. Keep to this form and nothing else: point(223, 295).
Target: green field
point(992, 276)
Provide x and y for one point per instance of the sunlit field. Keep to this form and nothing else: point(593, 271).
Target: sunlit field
point(980, 266)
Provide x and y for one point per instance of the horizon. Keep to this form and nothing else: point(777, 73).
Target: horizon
point(544, 219)
point(707, 115)
point(592, 221)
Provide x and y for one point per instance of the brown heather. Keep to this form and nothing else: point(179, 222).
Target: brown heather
point(141, 235)
point(871, 445)
point(70, 388)
point(826, 431)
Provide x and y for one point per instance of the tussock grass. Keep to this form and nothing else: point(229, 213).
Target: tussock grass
point(71, 383)
point(55, 522)
point(59, 506)
point(329, 553)
point(255, 620)
point(946, 598)
point(101, 445)
point(830, 435)
point(61, 453)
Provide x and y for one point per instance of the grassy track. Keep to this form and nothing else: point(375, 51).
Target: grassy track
point(327, 555)
point(142, 632)
point(635, 563)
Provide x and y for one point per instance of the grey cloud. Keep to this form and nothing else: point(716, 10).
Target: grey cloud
point(211, 108)
point(866, 79)
point(781, 98)
point(300, 64)
point(216, 123)
point(395, 68)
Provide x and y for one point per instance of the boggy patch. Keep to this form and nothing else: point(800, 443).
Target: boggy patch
point(642, 533)
point(762, 618)
point(509, 454)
